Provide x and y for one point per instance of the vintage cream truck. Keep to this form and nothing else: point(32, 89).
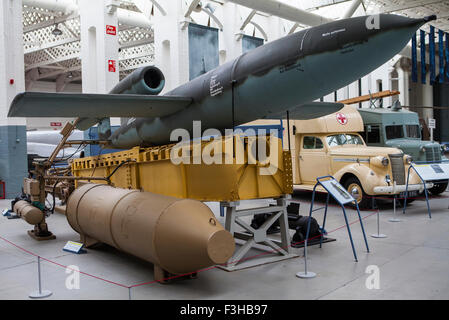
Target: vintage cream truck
point(331, 145)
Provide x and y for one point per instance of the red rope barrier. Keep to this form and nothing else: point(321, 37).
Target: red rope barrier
point(175, 276)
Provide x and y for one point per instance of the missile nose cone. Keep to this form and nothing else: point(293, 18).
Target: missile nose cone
point(392, 21)
point(189, 238)
point(430, 18)
point(218, 247)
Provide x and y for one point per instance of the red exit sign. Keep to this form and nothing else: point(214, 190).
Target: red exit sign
point(111, 66)
point(55, 124)
point(112, 30)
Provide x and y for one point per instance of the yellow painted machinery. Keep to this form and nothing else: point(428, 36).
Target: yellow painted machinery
point(240, 176)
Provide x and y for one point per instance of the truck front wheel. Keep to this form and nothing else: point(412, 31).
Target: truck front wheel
point(438, 188)
point(355, 188)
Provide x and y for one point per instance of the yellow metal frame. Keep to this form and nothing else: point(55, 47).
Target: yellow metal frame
point(151, 169)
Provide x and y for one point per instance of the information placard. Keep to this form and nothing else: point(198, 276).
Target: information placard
point(74, 247)
point(434, 171)
point(337, 191)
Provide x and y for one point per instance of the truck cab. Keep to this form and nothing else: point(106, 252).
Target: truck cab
point(332, 145)
point(399, 128)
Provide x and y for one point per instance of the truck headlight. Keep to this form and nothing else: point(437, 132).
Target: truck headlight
point(444, 148)
point(408, 159)
point(385, 161)
point(423, 149)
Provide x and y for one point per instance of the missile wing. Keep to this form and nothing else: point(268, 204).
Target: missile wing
point(39, 104)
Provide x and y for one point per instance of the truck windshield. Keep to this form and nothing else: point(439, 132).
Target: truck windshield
point(413, 131)
point(342, 139)
point(394, 132)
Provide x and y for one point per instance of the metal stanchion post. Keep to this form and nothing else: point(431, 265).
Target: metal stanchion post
point(129, 293)
point(40, 293)
point(378, 235)
point(308, 274)
point(394, 219)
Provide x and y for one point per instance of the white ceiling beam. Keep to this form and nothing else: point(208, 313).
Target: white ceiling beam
point(261, 30)
point(408, 5)
point(39, 11)
point(52, 67)
point(192, 7)
point(133, 67)
point(284, 11)
point(213, 17)
point(52, 61)
point(56, 73)
point(136, 56)
point(61, 83)
point(53, 44)
point(158, 6)
point(68, 80)
point(248, 19)
point(355, 4)
point(146, 7)
point(136, 43)
point(65, 6)
point(48, 23)
point(126, 17)
point(132, 18)
point(318, 4)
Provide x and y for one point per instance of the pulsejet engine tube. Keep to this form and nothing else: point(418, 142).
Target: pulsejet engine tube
point(177, 235)
point(144, 81)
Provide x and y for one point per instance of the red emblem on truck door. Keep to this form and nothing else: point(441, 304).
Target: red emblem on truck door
point(342, 119)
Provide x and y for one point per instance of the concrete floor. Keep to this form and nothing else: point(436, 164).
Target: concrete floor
point(413, 262)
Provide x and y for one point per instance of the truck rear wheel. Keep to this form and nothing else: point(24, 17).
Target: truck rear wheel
point(438, 188)
point(355, 188)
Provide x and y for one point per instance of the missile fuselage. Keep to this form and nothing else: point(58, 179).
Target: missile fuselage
point(277, 77)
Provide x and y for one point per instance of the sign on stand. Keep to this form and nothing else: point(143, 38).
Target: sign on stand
point(342, 196)
point(427, 172)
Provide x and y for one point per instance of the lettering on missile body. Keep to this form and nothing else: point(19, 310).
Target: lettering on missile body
point(193, 310)
point(327, 34)
point(215, 86)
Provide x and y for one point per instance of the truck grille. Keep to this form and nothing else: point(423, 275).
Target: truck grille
point(398, 168)
point(433, 153)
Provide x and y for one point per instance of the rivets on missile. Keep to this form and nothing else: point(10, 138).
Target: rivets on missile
point(212, 221)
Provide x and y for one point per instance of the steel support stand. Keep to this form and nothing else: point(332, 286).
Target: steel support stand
point(361, 226)
point(308, 274)
point(257, 239)
point(378, 234)
point(425, 191)
point(394, 219)
point(324, 220)
point(40, 293)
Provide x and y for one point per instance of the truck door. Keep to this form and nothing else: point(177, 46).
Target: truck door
point(313, 160)
point(372, 135)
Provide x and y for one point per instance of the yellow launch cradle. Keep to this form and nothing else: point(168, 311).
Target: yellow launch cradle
point(151, 169)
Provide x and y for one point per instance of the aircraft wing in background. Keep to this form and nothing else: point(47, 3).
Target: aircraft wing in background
point(311, 110)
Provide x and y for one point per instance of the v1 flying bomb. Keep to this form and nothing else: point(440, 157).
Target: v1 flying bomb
point(280, 76)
